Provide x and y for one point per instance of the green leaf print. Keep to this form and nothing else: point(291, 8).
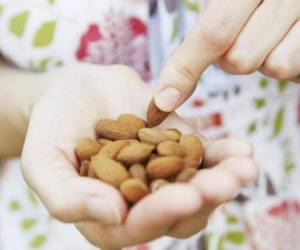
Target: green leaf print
point(260, 103)
point(252, 128)
point(38, 241)
point(282, 85)
point(231, 219)
point(221, 242)
point(43, 64)
point(1, 9)
point(28, 223)
point(192, 6)
point(32, 198)
point(18, 22)
point(51, 2)
point(235, 237)
point(44, 35)
point(264, 83)
point(289, 167)
point(14, 205)
point(279, 120)
point(208, 237)
point(175, 31)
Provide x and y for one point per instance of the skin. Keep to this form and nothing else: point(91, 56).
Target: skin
point(241, 37)
point(64, 109)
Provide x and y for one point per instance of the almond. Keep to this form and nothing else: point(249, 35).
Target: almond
point(112, 149)
point(135, 153)
point(155, 116)
point(86, 148)
point(132, 120)
point(176, 131)
point(193, 150)
point(186, 174)
point(169, 148)
point(109, 171)
point(157, 184)
point(134, 190)
point(155, 137)
point(84, 168)
point(164, 167)
point(138, 171)
point(115, 130)
point(92, 173)
point(103, 141)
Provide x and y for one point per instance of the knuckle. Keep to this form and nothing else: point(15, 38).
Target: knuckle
point(189, 77)
point(218, 32)
point(279, 70)
point(240, 63)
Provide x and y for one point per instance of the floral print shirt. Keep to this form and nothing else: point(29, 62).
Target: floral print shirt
point(39, 35)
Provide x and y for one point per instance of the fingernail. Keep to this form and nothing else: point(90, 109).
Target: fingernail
point(167, 99)
point(103, 211)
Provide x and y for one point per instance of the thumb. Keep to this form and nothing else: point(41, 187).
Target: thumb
point(211, 37)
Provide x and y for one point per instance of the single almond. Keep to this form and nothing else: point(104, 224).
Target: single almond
point(112, 149)
point(172, 135)
point(186, 174)
point(169, 148)
point(157, 184)
point(138, 171)
point(134, 190)
point(154, 136)
point(193, 150)
point(164, 167)
point(84, 168)
point(155, 116)
point(135, 153)
point(86, 148)
point(115, 130)
point(103, 141)
point(109, 171)
point(132, 120)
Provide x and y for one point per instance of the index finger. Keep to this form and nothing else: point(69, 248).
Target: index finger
point(216, 30)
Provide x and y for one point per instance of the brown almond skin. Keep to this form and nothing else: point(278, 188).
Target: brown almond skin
point(115, 130)
point(86, 148)
point(109, 171)
point(155, 116)
point(134, 190)
point(154, 136)
point(113, 148)
point(84, 168)
point(103, 141)
point(132, 120)
point(186, 175)
point(193, 150)
point(135, 153)
point(138, 171)
point(169, 148)
point(157, 184)
point(164, 167)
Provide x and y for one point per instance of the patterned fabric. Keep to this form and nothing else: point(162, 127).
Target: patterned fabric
point(41, 34)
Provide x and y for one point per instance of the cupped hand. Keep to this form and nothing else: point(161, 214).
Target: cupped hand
point(241, 37)
point(68, 110)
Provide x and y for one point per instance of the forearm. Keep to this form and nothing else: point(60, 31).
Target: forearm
point(18, 92)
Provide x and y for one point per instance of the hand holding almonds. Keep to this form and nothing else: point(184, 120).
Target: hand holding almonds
point(137, 159)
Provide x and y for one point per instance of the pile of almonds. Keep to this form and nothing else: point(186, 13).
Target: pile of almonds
point(137, 159)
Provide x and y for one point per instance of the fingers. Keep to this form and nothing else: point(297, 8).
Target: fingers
point(262, 33)
point(222, 182)
point(218, 150)
point(217, 28)
point(284, 63)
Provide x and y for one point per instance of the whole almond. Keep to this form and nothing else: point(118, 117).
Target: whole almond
point(103, 141)
point(138, 171)
point(86, 148)
point(193, 150)
point(112, 149)
point(155, 136)
point(164, 167)
point(109, 171)
point(115, 130)
point(135, 153)
point(186, 174)
point(84, 168)
point(157, 184)
point(134, 190)
point(169, 148)
point(132, 120)
point(155, 116)
point(176, 131)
